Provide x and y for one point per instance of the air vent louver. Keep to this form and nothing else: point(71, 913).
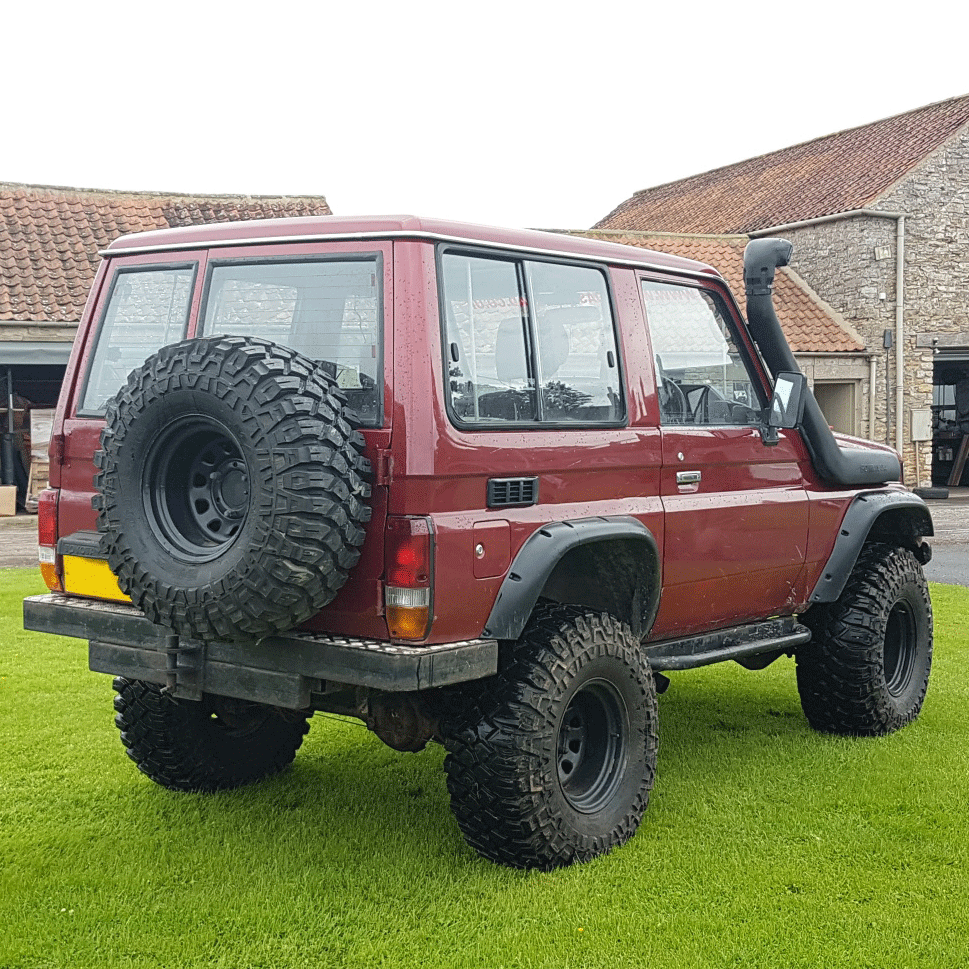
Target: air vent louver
point(505, 492)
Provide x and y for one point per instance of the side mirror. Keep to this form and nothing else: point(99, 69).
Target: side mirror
point(786, 408)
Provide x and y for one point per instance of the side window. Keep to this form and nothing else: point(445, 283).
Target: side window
point(701, 376)
point(528, 342)
point(147, 309)
point(489, 370)
point(327, 310)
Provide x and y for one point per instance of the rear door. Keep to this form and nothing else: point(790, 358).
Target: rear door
point(145, 303)
point(327, 300)
point(736, 510)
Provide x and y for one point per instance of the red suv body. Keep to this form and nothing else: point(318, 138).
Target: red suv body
point(544, 446)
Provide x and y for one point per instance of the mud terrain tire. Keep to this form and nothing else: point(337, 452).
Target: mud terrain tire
point(866, 670)
point(554, 762)
point(215, 744)
point(231, 488)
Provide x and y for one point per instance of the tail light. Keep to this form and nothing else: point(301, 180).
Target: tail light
point(50, 562)
point(408, 585)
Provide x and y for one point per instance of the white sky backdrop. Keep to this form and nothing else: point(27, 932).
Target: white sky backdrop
point(512, 113)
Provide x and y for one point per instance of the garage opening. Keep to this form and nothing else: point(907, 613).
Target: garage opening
point(837, 403)
point(950, 421)
point(31, 374)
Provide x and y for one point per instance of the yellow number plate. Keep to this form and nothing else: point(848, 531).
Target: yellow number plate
point(91, 577)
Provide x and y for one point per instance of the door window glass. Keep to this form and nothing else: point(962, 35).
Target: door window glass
point(488, 356)
point(702, 377)
point(576, 346)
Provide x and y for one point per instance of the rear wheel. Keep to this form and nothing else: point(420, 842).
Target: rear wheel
point(214, 744)
point(867, 667)
point(555, 762)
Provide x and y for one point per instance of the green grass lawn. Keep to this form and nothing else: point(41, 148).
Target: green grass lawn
point(764, 845)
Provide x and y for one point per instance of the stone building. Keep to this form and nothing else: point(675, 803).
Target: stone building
point(879, 218)
point(49, 243)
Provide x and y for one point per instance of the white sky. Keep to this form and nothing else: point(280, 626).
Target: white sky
point(512, 113)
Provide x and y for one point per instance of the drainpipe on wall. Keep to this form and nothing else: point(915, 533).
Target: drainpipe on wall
point(900, 332)
point(899, 218)
point(872, 375)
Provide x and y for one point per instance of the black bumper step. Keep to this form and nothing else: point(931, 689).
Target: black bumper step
point(283, 670)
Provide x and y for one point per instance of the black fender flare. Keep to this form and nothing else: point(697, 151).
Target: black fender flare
point(897, 517)
point(621, 545)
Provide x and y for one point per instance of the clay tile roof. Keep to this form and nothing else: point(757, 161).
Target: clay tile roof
point(810, 324)
point(50, 237)
point(837, 173)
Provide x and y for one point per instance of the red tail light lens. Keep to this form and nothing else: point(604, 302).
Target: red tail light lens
point(408, 587)
point(50, 562)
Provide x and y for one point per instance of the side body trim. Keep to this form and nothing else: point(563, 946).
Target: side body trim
point(773, 636)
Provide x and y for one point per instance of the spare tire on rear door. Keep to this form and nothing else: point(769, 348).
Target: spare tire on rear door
point(230, 488)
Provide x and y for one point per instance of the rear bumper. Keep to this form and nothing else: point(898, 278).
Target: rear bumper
point(281, 670)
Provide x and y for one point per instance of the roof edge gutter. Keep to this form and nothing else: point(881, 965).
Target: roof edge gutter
point(822, 219)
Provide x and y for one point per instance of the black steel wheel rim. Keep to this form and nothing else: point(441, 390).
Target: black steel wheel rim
point(901, 646)
point(239, 719)
point(592, 743)
point(196, 489)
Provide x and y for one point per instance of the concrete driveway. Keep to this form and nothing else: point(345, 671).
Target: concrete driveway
point(18, 541)
point(950, 546)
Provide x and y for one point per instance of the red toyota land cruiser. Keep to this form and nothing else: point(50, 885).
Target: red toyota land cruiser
point(471, 485)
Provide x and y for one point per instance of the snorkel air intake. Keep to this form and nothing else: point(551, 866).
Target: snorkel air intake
point(835, 464)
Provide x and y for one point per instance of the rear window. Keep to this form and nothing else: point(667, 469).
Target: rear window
point(327, 309)
point(146, 310)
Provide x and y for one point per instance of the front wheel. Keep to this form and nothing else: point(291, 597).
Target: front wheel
point(866, 670)
point(555, 762)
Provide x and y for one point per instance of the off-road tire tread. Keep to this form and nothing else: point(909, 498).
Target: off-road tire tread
point(840, 673)
point(312, 474)
point(498, 750)
point(179, 745)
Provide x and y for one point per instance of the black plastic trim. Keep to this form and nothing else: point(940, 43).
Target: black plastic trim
point(774, 635)
point(835, 464)
point(545, 548)
point(83, 544)
point(512, 492)
point(857, 525)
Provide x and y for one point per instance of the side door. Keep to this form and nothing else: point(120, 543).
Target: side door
point(736, 511)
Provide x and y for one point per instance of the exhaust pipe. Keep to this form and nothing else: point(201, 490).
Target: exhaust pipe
point(835, 464)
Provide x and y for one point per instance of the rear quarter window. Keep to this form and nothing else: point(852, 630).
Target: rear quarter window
point(529, 342)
